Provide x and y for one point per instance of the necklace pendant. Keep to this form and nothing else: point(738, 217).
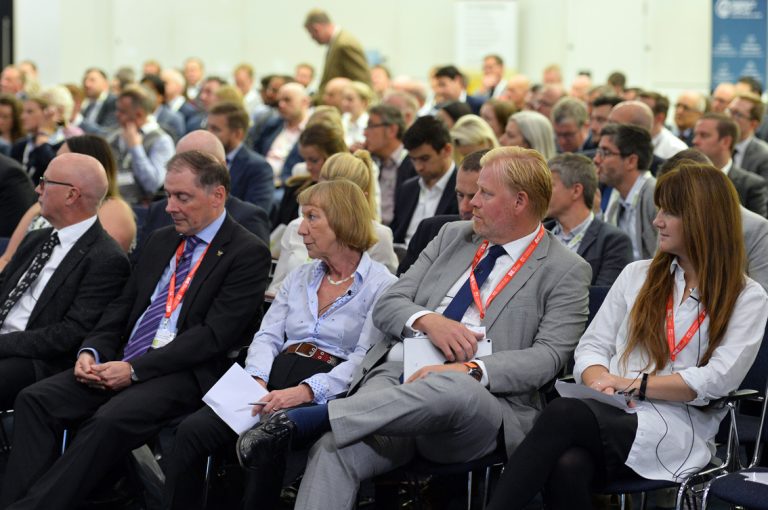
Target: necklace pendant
point(339, 282)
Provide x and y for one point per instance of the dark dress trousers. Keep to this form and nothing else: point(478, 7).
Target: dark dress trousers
point(220, 311)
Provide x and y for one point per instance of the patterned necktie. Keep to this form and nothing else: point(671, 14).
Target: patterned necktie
point(30, 276)
point(145, 332)
point(463, 298)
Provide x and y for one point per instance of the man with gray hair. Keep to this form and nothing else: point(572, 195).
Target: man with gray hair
point(345, 56)
point(60, 279)
point(605, 247)
point(570, 121)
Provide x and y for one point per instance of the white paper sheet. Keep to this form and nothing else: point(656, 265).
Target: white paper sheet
point(570, 390)
point(230, 396)
point(420, 352)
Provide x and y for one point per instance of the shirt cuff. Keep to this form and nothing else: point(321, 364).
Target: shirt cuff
point(319, 389)
point(483, 380)
point(416, 316)
point(255, 372)
point(93, 352)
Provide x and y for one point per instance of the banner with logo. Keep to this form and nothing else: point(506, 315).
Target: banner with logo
point(738, 40)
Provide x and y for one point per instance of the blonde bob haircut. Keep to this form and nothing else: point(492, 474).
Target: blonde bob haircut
point(357, 168)
point(348, 213)
point(524, 170)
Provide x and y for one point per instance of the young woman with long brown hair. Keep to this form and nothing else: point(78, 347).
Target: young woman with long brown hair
point(677, 331)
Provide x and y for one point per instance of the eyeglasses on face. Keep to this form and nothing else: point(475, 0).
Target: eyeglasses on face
point(44, 181)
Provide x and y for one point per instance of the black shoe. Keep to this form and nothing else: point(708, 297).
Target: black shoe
point(266, 443)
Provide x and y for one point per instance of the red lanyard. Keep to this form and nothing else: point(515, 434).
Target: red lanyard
point(674, 350)
point(507, 278)
point(175, 298)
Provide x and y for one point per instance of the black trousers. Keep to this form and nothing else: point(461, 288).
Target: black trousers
point(573, 447)
point(204, 432)
point(15, 375)
point(109, 425)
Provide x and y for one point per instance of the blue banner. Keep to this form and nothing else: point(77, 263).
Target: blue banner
point(738, 40)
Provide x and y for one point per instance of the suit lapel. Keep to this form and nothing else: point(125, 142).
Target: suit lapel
point(70, 262)
point(590, 236)
point(457, 264)
point(448, 198)
point(212, 257)
point(525, 273)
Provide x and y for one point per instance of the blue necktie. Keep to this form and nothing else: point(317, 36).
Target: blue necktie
point(145, 333)
point(463, 298)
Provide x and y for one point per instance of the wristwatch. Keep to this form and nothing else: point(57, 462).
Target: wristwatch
point(474, 370)
point(133, 375)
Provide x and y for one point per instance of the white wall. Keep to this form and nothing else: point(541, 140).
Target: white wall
point(660, 44)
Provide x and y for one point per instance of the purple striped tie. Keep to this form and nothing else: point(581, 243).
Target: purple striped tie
point(145, 333)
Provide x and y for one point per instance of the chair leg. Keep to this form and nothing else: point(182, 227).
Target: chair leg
point(469, 490)
point(64, 441)
point(207, 479)
point(486, 486)
point(623, 501)
point(643, 500)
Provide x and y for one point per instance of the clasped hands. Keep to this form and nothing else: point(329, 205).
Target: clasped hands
point(112, 375)
point(457, 343)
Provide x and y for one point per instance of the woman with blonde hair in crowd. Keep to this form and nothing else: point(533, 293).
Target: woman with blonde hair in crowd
point(356, 99)
point(60, 99)
point(356, 168)
point(673, 334)
point(38, 118)
point(530, 130)
point(471, 134)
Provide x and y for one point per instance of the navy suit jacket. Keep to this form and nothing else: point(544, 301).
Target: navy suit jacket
point(38, 159)
point(252, 178)
point(425, 232)
point(106, 120)
point(407, 199)
point(266, 138)
point(475, 103)
point(89, 277)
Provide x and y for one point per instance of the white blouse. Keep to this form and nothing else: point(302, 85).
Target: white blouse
point(675, 439)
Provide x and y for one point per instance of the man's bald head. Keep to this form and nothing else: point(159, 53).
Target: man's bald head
point(333, 91)
point(76, 185)
point(635, 113)
point(203, 141)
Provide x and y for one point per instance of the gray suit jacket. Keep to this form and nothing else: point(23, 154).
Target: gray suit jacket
point(535, 322)
point(752, 190)
point(756, 244)
point(756, 158)
point(646, 234)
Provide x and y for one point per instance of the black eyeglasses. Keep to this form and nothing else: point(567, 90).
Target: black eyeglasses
point(43, 182)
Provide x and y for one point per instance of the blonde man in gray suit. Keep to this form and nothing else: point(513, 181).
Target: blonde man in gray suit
point(532, 302)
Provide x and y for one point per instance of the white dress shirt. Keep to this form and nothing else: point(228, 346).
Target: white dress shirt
point(666, 144)
point(628, 221)
point(429, 199)
point(18, 316)
point(675, 438)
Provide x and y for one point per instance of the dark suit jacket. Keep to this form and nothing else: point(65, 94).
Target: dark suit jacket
point(266, 138)
point(106, 120)
point(17, 194)
point(607, 249)
point(188, 110)
point(752, 190)
point(475, 103)
point(407, 199)
point(89, 277)
point(756, 158)
point(425, 232)
point(253, 218)
point(252, 178)
point(39, 157)
point(345, 57)
point(195, 121)
point(220, 311)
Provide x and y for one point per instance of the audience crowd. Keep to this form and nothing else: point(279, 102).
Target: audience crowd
point(325, 229)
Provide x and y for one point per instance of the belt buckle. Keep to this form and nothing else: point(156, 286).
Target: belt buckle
point(311, 352)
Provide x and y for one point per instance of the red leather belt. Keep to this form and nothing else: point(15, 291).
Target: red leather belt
point(309, 350)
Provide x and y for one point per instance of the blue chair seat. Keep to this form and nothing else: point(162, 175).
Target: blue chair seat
point(636, 484)
point(734, 488)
